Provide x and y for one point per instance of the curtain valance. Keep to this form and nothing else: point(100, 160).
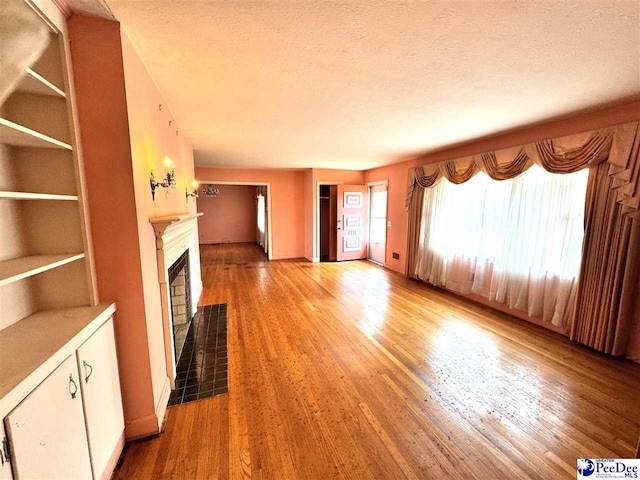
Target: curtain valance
point(617, 145)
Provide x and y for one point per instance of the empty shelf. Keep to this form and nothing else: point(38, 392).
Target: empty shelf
point(23, 267)
point(19, 136)
point(35, 83)
point(36, 196)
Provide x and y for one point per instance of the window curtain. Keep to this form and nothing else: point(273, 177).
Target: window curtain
point(607, 299)
point(262, 229)
point(521, 245)
point(614, 153)
point(415, 214)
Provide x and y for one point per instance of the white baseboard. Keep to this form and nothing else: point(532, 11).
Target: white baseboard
point(161, 408)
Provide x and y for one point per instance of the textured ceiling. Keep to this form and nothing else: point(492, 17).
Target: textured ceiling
point(361, 84)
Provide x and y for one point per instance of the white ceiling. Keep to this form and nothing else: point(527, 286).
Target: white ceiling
point(297, 84)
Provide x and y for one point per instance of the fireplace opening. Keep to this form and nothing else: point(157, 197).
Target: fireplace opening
point(181, 313)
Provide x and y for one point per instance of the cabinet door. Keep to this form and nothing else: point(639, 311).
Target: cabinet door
point(98, 368)
point(47, 431)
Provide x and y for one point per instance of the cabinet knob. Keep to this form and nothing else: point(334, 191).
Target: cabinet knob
point(87, 374)
point(72, 384)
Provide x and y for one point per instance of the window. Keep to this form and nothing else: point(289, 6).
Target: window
point(261, 215)
point(262, 219)
point(514, 241)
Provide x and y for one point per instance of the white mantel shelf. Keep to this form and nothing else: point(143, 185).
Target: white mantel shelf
point(160, 224)
point(174, 218)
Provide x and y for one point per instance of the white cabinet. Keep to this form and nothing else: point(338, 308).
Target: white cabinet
point(47, 431)
point(98, 367)
point(71, 426)
point(5, 462)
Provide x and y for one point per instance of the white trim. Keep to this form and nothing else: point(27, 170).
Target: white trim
point(257, 184)
point(316, 225)
point(163, 401)
point(50, 12)
point(348, 247)
point(370, 185)
point(348, 196)
point(379, 182)
point(347, 217)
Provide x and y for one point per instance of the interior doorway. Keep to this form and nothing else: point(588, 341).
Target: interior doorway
point(377, 223)
point(342, 222)
point(259, 209)
point(328, 222)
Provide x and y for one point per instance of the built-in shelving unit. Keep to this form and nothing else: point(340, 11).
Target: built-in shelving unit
point(54, 335)
point(46, 285)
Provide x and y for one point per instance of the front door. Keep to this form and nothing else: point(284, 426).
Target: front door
point(352, 222)
point(377, 223)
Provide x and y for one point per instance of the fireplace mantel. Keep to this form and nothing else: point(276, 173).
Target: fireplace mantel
point(164, 225)
point(175, 235)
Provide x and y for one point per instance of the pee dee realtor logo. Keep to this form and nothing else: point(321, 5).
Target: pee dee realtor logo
point(609, 468)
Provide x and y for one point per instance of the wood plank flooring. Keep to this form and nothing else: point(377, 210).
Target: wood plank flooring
point(346, 370)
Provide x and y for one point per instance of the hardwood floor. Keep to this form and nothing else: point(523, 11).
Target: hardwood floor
point(346, 370)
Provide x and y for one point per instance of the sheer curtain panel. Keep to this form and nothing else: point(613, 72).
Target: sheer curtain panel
point(261, 205)
point(517, 242)
point(605, 309)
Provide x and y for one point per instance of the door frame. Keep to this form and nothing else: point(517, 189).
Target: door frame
point(369, 185)
point(202, 181)
point(316, 236)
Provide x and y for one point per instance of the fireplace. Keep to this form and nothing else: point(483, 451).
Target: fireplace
point(178, 258)
point(180, 300)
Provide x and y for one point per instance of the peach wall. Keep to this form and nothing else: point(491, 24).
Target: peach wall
point(154, 134)
point(99, 81)
point(229, 217)
point(287, 201)
point(397, 176)
point(124, 134)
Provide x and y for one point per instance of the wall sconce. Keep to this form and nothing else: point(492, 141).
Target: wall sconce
point(210, 191)
point(168, 181)
point(194, 193)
